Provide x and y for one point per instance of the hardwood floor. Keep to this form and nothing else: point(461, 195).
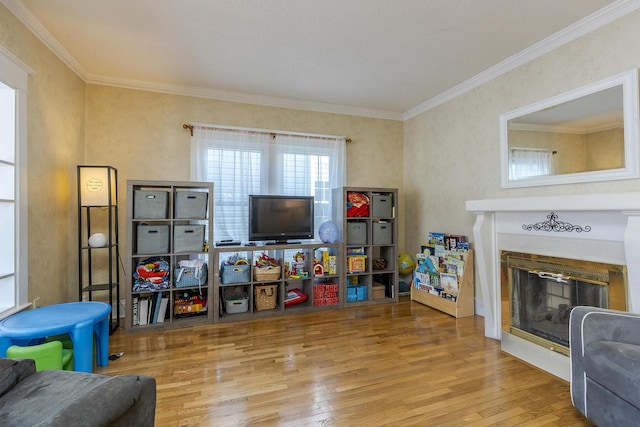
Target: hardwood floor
point(400, 364)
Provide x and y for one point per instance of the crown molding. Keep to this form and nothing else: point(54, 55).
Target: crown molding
point(578, 29)
point(35, 26)
point(15, 60)
point(221, 95)
point(590, 23)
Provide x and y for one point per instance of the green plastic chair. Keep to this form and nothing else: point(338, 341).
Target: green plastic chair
point(65, 339)
point(48, 355)
point(67, 344)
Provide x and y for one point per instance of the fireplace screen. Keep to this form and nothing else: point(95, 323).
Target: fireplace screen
point(540, 292)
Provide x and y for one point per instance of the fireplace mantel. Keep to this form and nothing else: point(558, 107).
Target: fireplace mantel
point(603, 228)
point(574, 202)
point(613, 217)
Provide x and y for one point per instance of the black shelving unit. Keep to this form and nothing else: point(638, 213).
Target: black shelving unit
point(98, 272)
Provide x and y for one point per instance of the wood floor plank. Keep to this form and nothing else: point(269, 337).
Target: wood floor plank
point(382, 365)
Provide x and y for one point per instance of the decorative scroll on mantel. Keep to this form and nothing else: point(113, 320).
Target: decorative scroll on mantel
point(552, 224)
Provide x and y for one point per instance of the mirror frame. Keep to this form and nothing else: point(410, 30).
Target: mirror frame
point(631, 169)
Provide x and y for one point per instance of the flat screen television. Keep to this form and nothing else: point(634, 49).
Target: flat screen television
point(278, 219)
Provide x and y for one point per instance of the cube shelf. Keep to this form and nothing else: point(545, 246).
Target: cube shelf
point(307, 279)
point(169, 229)
point(367, 224)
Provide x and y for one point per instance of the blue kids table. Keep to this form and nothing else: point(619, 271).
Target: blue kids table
point(81, 320)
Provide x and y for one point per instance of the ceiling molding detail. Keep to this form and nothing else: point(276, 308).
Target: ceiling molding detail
point(221, 95)
point(584, 26)
point(35, 26)
point(580, 28)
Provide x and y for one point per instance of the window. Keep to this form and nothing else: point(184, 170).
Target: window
point(13, 202)
point(528, 162)
point(241, 162)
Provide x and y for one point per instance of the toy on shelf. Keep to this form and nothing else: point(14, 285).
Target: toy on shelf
point(297, 267)
point(294, 296)
point(357, 204)
point(266, 268)
point(318, 269)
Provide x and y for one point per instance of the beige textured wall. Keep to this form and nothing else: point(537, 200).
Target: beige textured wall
point(605, 149)
point(55, 137)
point(140, 133)
point(452, 151)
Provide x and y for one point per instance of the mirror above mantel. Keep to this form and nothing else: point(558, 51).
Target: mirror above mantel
point(588, 134)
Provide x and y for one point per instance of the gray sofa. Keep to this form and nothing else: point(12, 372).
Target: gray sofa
point(605, 365)
point(66, 398)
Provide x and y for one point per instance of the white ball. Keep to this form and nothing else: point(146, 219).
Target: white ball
point(328, 232)
point(97, 240)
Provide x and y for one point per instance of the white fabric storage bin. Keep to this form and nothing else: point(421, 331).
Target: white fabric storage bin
point(152, 239)
point(188, 238)
point(149, 204)
point(190, 204)
point(237, 305)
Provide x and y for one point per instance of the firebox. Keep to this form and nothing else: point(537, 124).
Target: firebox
point(538, 293)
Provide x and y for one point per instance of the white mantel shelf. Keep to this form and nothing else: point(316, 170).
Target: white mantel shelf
point(607, 230)
point(574, 202)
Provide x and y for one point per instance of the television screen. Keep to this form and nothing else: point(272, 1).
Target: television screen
point(280, 218)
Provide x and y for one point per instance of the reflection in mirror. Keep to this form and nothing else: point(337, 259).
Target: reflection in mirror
point(589, 134)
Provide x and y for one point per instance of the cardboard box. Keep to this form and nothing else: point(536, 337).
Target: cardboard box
point(378, 291)
point(361, 292)
point(352, 293)
point(356, 263)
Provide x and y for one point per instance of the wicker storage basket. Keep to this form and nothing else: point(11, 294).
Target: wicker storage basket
point(265, 296)
point(266, 274)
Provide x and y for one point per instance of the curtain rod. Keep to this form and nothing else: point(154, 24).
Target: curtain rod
point(531, 149)
point(190, 126)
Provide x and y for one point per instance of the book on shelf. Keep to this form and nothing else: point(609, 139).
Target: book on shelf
point(157, 299)
point(143, 310)
point(440, 267)
point(163, 309)
point(449, 283)
point(134, 309)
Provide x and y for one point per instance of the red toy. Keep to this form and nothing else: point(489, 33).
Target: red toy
point(294, 296)
point(357, 204)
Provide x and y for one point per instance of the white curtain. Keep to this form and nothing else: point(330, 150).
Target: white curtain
point(244, 161)
point(527, 162)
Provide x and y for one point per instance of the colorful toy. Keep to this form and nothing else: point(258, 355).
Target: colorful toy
point(406, 264)
point(297, 268)
point(318, 269)
point(357, 204)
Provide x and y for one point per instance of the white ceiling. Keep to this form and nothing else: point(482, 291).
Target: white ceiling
point(378, 58)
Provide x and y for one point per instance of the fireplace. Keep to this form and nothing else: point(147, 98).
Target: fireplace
point(538, 293)
point(594, 233)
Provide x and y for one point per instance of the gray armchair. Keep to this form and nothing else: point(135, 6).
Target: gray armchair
point(605, 365)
